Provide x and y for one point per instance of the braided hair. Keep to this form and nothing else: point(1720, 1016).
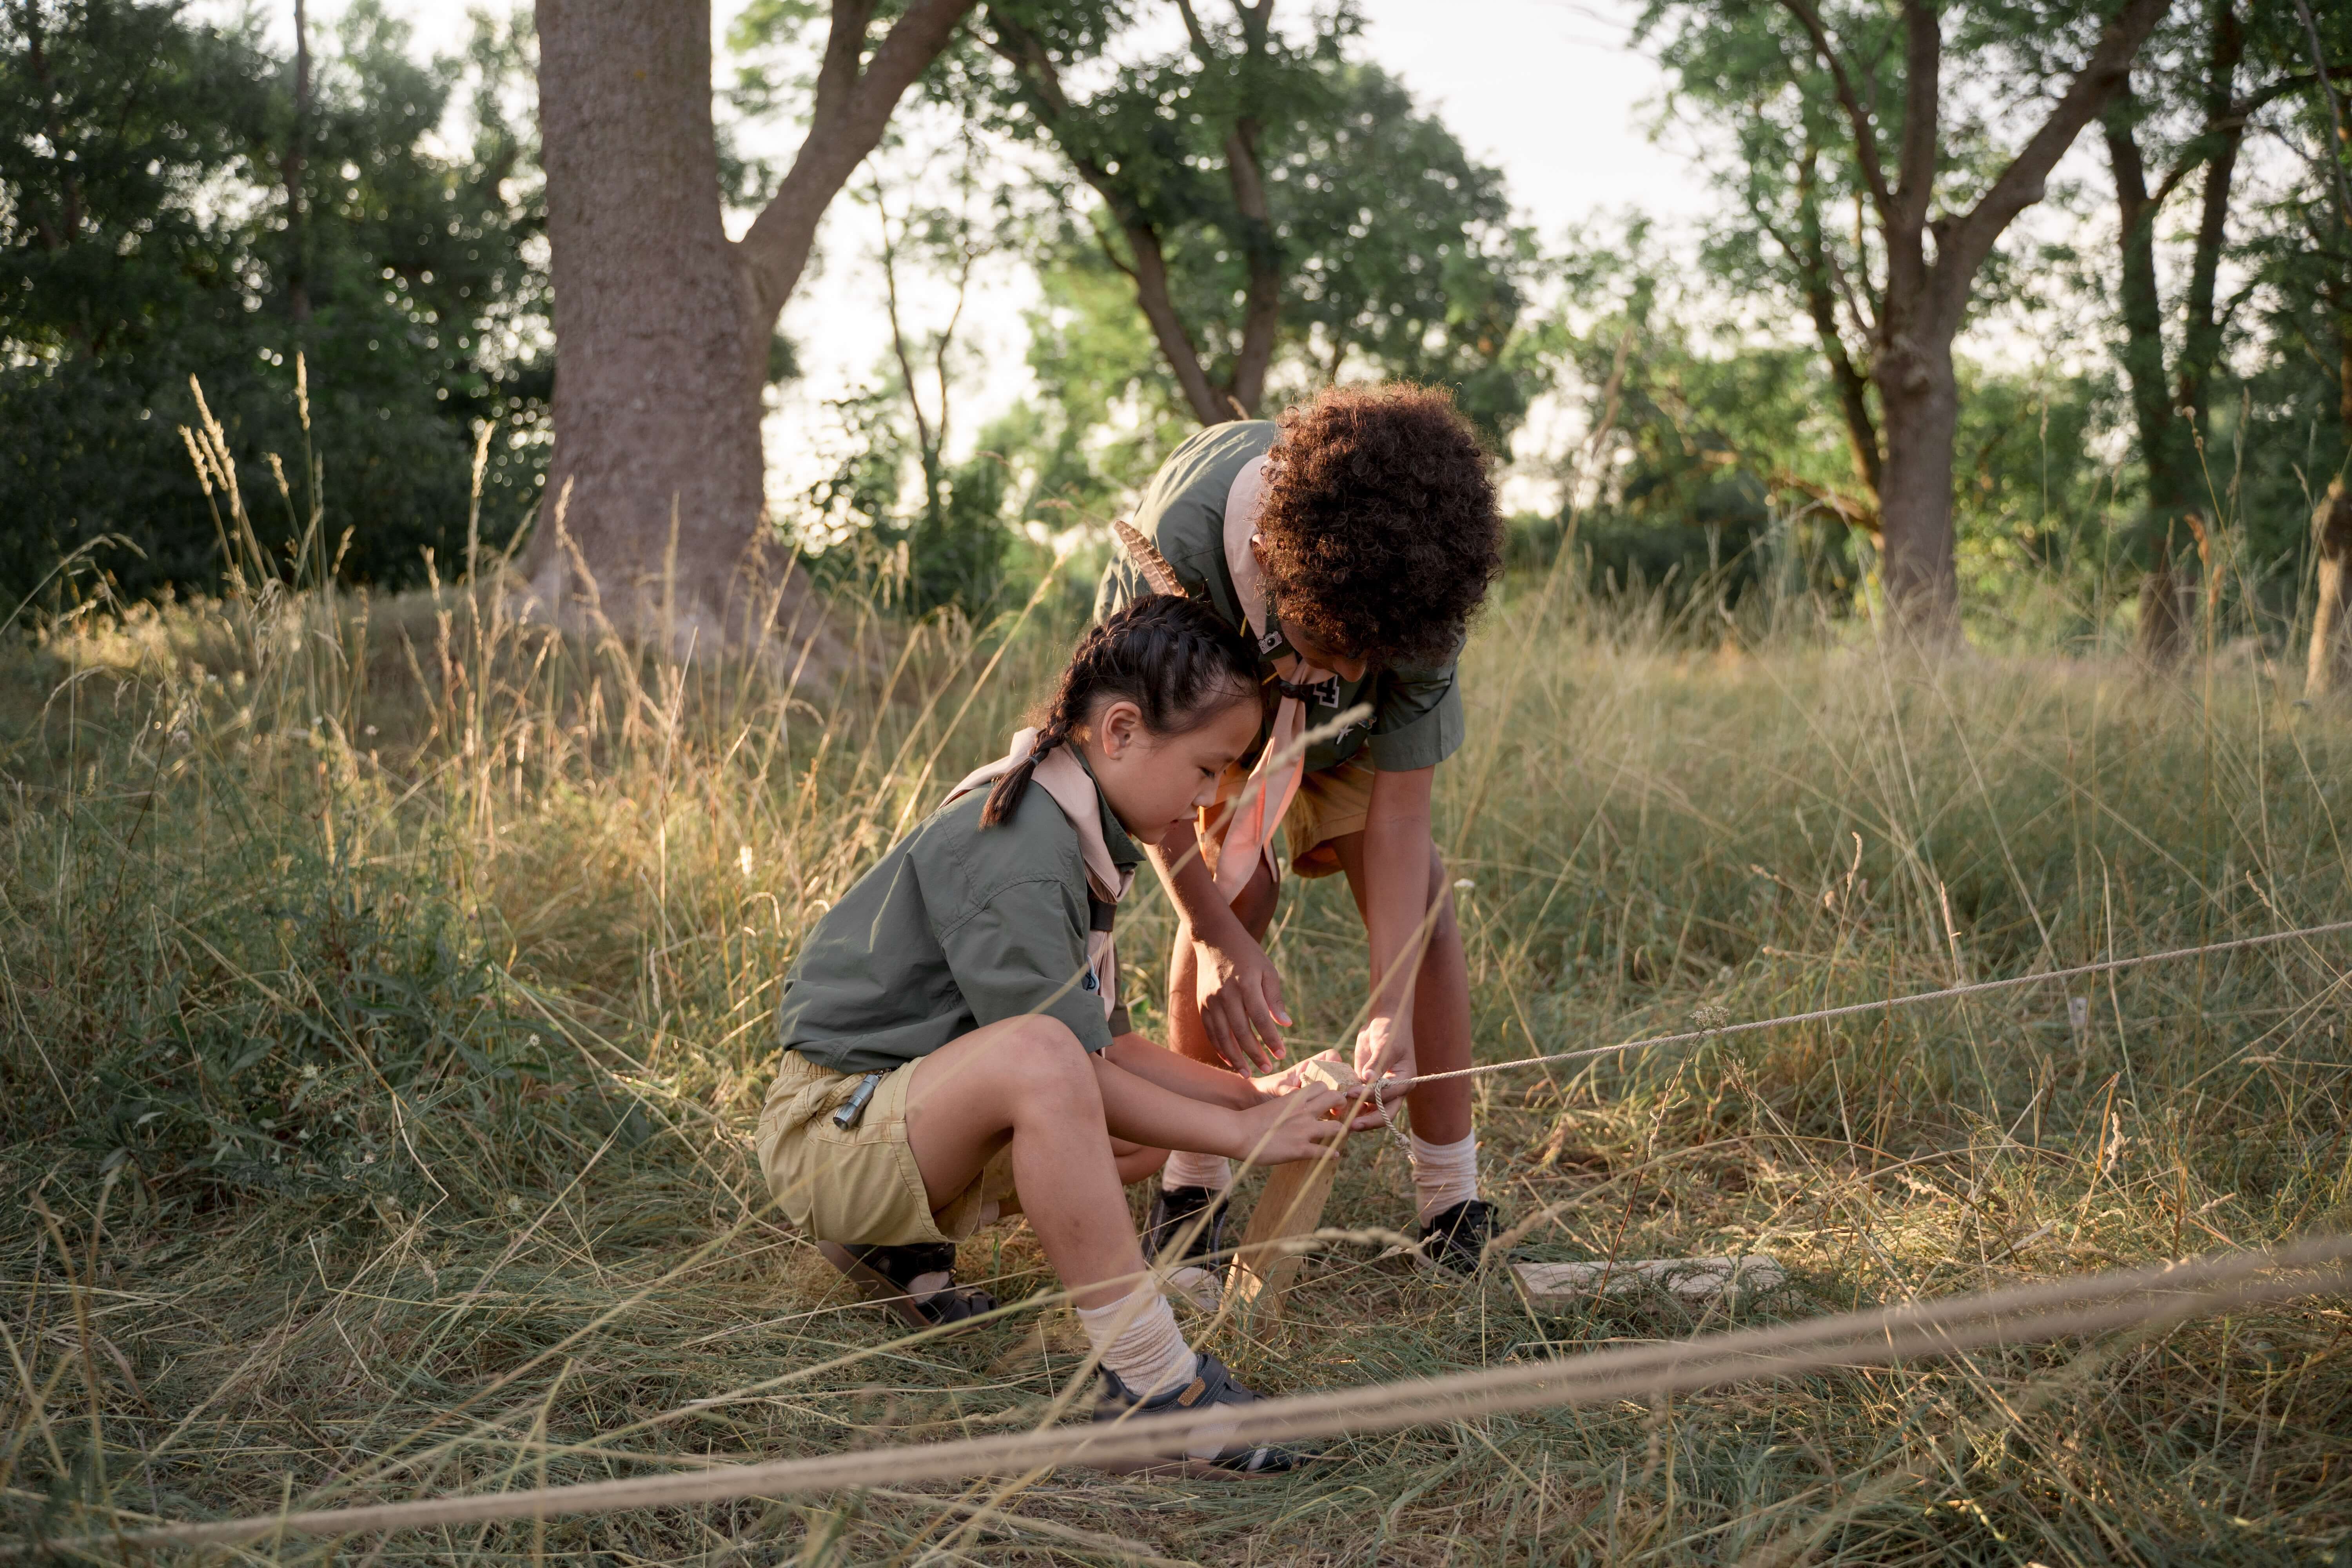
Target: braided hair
point(1169, 656)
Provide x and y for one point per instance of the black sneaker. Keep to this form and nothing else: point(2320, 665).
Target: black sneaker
point(1211, 1384)
point(1457, 1238)
point(1175, 1211)
point(916, 1282)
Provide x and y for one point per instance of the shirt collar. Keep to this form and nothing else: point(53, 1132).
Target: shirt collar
point(1123, 851)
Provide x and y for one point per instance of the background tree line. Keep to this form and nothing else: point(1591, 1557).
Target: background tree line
point(2031, 307)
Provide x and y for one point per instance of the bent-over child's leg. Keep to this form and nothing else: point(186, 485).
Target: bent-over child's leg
point(1444, 1146)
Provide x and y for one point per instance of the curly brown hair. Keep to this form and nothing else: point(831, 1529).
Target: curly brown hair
point(1380, 533)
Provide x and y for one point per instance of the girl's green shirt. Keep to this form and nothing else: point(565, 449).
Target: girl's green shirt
point(958, 926)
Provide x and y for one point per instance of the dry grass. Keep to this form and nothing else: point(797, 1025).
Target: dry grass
point(388, 995)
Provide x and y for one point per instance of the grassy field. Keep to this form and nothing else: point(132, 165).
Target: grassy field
point(388, 1000)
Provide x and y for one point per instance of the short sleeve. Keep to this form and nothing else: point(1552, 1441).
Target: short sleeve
point(1025, 951)
point(1417, 722)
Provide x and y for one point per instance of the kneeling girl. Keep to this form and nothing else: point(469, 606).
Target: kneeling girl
point(954, 1049)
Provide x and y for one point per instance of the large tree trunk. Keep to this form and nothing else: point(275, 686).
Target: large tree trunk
point(657, 481)
point(653, 515)
point(1920, 393)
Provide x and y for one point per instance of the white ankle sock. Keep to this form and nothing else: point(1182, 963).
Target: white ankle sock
point(1214, 1172)
point(1444, 1174)
point(1137, 1338)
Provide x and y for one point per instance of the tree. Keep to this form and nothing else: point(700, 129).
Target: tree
point(2205, 120)
point(663, 325)
point(1933, 191)
point(1271, 204)
point(2330, 660)
point(155, 227)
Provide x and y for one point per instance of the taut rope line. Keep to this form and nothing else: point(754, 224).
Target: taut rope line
point(2161, 1294)
point(1389, 1086)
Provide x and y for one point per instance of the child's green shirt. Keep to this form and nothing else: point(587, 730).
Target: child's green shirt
point(1416, 710)
point(958, 926)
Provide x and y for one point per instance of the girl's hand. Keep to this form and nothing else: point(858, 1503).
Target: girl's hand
point(1300, 1125)
point(1384, 1049)
point(1240, 995)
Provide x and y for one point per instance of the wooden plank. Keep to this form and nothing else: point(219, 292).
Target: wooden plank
point(1264, 1265)
point(1693, 1279)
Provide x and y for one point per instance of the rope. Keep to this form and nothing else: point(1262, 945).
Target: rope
point(2161, 1295)
point(1392, 1086)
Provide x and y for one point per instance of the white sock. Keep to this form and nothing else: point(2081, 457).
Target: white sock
point(1137, 1338)
point(1214, 1172)
point(1444, 1174)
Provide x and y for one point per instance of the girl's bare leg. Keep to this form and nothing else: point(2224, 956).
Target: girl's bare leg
point(1028, 1082)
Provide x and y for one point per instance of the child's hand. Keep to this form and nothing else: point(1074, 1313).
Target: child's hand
point(1240, 996)
point(1295, 1126)
point(1384, 1049)
point(1324, 1069)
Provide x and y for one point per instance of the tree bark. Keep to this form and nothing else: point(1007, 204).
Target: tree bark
point(654, 493)
point(1920, 393)
point(2164, 607)
point(655, 511)
point(2330, 665)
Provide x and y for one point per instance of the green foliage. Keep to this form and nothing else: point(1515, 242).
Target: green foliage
point(1386, 249)
point(149, 238)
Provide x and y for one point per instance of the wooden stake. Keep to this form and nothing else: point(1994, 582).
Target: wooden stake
point(1264, 1265)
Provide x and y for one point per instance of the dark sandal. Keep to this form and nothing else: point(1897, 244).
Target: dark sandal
point(1211, 1384)
point(917, 1282)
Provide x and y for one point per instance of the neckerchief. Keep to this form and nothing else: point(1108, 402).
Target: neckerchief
point(1249, 823)
point(1066, 779)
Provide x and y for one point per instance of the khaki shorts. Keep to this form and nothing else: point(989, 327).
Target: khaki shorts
point(863, 1186)
point(1329, 805)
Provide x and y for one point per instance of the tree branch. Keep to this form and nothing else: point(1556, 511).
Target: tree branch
point(1865, 130)
point(853, 110)
point(1971, 238)
point(1042, 88)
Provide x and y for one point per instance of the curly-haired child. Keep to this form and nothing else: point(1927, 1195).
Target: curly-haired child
point(1349, 542)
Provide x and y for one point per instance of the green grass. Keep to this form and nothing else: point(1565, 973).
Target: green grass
point(388, 998)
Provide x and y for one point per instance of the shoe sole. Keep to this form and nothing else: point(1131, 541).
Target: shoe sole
point(878, 1289)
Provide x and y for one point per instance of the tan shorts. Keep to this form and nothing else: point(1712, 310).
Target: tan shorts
point(1328, 805)
point(863, 1186)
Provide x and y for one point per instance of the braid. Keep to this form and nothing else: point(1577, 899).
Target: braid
point(1168, 656)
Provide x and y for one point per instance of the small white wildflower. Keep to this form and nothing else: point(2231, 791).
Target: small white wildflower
point(1462, 884)
point(514, 1205)
point(743, 861)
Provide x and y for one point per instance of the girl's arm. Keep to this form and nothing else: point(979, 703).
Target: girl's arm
point(1274, 1131)
point(1156, 1064)
point(1139, 1055)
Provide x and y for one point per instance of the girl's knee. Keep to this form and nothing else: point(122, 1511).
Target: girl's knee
point(1044, 1052)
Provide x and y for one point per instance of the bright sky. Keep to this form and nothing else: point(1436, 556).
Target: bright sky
point(1548, 90)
